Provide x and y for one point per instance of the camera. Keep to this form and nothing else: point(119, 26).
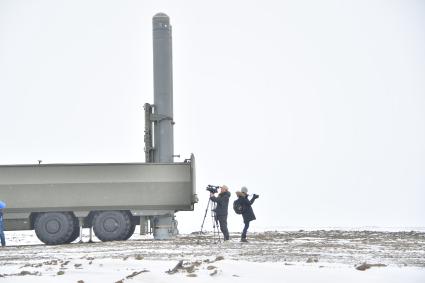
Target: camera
point(212, 189)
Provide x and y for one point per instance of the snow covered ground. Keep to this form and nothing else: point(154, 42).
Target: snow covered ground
point(274, 256)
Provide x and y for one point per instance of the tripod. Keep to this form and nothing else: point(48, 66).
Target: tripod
point(216, 226)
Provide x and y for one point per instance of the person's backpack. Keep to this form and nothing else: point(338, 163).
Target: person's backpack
point(238, 206)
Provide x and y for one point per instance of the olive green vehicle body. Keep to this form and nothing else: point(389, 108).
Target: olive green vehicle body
point(143, 189)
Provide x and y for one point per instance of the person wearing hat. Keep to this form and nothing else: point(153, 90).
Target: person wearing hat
point(2, 238)
point(247, 212)
point(221, 211)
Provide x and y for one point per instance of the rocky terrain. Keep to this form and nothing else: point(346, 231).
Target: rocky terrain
point(353, 249)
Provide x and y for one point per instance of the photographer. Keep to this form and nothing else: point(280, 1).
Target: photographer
point(222, 201)
point(247, 212)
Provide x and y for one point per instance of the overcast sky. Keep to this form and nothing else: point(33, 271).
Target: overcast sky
point(318, 106)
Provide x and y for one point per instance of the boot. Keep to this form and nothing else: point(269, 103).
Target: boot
point(244, 240)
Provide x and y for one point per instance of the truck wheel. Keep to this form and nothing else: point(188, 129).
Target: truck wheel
point(54, 228)
point(111, 225)
point(76, 232)
point(130, 232)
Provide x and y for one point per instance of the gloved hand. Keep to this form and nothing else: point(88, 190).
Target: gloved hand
point(255, 196)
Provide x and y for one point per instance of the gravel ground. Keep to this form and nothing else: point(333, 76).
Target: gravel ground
point(290, 247)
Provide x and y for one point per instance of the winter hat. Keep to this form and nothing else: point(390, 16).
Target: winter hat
point(2, 204)
point(244, 190)
point(224, 187)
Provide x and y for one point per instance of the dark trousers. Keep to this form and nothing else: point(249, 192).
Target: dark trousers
point(3, 240)
point(222, 220)
point(245, 230)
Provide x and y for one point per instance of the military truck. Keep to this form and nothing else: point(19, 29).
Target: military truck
point(58, 200)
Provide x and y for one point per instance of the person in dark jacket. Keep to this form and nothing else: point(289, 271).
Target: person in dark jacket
point(221, 210)
point(2, 238)
point(247, 214)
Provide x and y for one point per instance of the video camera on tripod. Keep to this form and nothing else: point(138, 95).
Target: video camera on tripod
point(211, 206)
point(212, 189)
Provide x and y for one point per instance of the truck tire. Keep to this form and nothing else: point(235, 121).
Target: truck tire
point(111, 225)
point(76, 231)
point(130, 232)
point(54, 228)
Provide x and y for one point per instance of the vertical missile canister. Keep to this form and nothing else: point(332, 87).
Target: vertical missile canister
point(163, 89)
point(160, 148)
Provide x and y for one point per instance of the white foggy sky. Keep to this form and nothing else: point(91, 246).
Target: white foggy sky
point(318, 106)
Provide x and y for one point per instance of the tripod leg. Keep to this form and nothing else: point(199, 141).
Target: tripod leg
point(205, 215)
point(213, 221)
point(216, 225)
point(218, 231)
